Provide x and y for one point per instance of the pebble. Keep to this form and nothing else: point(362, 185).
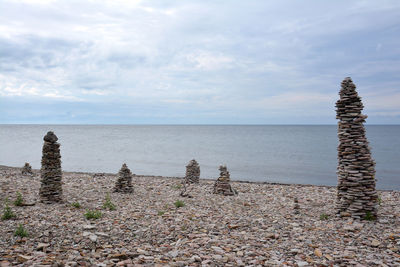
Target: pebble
point(257, 227)
point(42, 246)
point(89, 227)
point(375, 243)
point(318, 252)
point(24, 258)
point(302, 263)
point(218, 250)
point(93, 238)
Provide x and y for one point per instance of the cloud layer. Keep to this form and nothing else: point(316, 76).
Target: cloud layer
point(266, 62)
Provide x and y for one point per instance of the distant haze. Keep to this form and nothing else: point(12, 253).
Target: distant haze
point(196, 62)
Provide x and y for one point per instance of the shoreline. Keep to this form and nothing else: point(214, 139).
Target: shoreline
point(202, 179)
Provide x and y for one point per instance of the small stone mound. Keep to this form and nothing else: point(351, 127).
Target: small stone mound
point(124, 181)
point(222, 185)
point(98, 175)
point(27, 169)
point(51, 173)
point(192, 172)
point(296, 206)
point(356, 194)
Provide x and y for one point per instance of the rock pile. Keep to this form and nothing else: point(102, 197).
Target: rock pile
point(27, 169)
point(356, 194)
point(51, 174)
point(296, 206)
point(124, 181)
point(192, 172)
point(222, 185)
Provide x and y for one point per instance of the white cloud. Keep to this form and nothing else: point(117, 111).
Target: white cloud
point(213, 57)
point(209, 61)
point(37, 2)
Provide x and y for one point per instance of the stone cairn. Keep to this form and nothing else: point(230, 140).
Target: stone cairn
point(356, 194)
point(192, 177)
point(222, 185)
point(296, 206)
point(51, 174)
point(124, 181)
point(27, 169)
point(192, 172)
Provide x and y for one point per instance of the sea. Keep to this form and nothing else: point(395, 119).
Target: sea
point(298, 154)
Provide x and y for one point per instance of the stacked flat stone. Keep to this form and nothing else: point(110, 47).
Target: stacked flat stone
point(296, 206)
point(222, 185)
point(51, 174)
point(192, 172)
point(356, 194)
point(124, 181)
point(27, 169)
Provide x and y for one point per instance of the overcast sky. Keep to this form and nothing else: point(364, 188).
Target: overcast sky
point(196, 62)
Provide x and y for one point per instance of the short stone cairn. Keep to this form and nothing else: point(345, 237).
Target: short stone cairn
point(51, 174)
point(192, 177)
point(124, 181)
point(356, 194)
point(27, 169)
point(192, 172)
point(296, 206)
point(222, 185)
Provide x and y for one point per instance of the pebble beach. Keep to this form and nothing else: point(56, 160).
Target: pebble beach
point(257, 227)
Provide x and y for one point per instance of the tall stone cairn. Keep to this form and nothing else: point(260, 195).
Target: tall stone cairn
point(51, 174)
point(192, 172)
point(222, 185)
point(356, 194)
point(124, 181)
point(27, 169)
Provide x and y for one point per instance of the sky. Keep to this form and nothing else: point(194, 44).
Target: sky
point(196, 62)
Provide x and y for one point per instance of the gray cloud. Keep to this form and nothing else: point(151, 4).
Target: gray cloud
point(189, 61)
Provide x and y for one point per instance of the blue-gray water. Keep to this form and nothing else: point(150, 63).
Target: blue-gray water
point(288, 154)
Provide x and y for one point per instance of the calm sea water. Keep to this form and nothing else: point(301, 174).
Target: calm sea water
point(288, 154)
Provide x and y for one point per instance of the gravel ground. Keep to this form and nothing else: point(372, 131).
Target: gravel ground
point(259, 227)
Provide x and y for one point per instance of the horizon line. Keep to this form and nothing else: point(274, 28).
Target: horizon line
point(185, 124)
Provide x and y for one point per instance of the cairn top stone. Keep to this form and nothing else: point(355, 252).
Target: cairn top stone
point(50, 137)
point(347, 85)
point(125, 167)
point(348, 79)
point(223, 170)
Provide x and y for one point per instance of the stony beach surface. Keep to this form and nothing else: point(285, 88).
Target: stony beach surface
point(257, 227)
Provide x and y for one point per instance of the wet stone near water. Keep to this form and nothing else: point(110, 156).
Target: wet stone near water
point(222, 185)
point(356, 193)
point(27, 169)
point(124, 181)
point(51, 174)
